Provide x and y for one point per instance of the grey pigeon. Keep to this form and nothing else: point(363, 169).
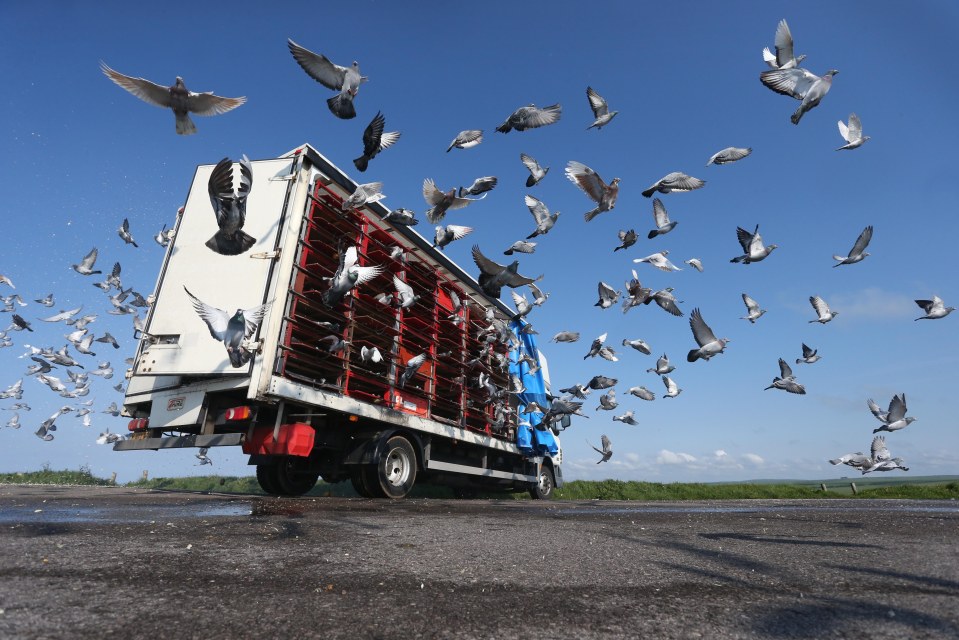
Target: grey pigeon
point(480, 185)
point(108, 339)
point(672, 389)
point(882, 460)
point(642, 393)
point(577, 391)
point(858, 460)
point(640, 345)
point(164, 236)
point(531, 117)
point(466, 139)
point(786, 380)
point(800, 84)
point(14, 421)
point(441, 201)
point(523, 306)
point(606, 451)
point(449, 233)
point(607, 296)
point(202, 456)
point(345, 80)
point(63, 315)
point(695, 263)
point(709, 344)
point(824, 313)
point(601, 113)
point(729, 154)
point(544, 219)
point(661, 218)
point(934, 308)
point(601, 382)
point(47, 301)
point(124, 232)
point(627, 238)
point(108, 437)
point(607, 353)
point(85, 268)
point(596, 346)
point(403, 217)
point(784, 57)
point(374, 141)
point(412, 366)
point(178, 98)
point(229, 207)
point(332, 344)
point(560, 407)
point(675, 181)
point(19, 324)
point(607, 401)
point(604, 195)
point(753, 248)
point(565, 336)
point(520, 246)
point(753, 312)
point(809, 355)
point(364, 194)
point(627, 418)
point(636, 293)
point(494, 276)
point(7, 281)
point(858, 251)
point(230, 330)
point(667, 301)
point(536, 172)
point(895, 418)
point(405, 296)
point(852, 133)
point(347, 276)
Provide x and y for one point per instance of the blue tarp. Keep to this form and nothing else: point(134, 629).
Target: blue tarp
point(530, 441)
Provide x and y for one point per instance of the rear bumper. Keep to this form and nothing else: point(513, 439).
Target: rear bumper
point(178, 442)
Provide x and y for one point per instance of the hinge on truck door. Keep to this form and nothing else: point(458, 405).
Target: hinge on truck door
point(266, 255)
point(287, 177)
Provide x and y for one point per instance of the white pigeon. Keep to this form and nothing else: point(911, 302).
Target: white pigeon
point(858, 251)
point(729, 154)
point(466, 139)
point(852, 133)
point(695, 263)
point(404, 293)
point(784, 57)
point(934, 308)
point(709, 344)
point(822, 310)
point(642, 393)
point(627, 418)
point(753, 312)
point(659, 261)
point(672, 390)
point(370, 354)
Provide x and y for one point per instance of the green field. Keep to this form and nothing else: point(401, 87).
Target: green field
point(909, 488)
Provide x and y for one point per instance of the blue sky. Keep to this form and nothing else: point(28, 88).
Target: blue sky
point(80, 154)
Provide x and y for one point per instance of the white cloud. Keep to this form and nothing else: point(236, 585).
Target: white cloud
point(668, 457)
point(754, 459)
point(873, 303)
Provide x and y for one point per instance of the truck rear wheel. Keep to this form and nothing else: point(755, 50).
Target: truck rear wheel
point(266, 477)
point(394, 473)
point(543, 490)
point(293, 482)
point(358, 480)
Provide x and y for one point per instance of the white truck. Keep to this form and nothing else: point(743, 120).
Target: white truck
point(294, 380)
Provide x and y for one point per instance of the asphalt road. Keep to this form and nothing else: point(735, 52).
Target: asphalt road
point(79, 562)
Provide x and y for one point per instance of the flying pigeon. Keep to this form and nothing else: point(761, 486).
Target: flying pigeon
point(363, 195)
point(14, 421)
point(108, 437)
point(536, 172)
point(530, 117)
point(19, 324)
point(934, 308)
point(636, 293)
point(638, 344)
point(13, 391)
point(642, 393)
point(346, 80)
point(607, 401)
point(675, 181)
point(85, 268)
point(822, 310)
point(800, 84)
point(753, 248)
point(47, 301)
point(348, 275)
point(627, 238)
point(164, 236)
point(626, 418)
point(695, 263)
point(449, 233)
point(7, 281)
point(852, 133)
point(229, 207)
point(202, 457)
point(709, 344)
point(559, 408)
point(809, 355)
point(784, 58)
point(178, 98)
point(493, 276)
point(595, 346)
point(520, 246)
point(601, 382)
point(332, 344)
point(403, 217)
point(858, 460)
point(374, 141)
point(370, 354)
point(124, 232)
point(412, 366)
point(565, 336)
point(466, 139)
point(404, 293)
point(231, 330)
point(601, 113)
point(661, 218)
point(607, 296)
point(858, 251)
point(729, 154)
point(895, 418)
point(659, 261)
point(786, 380)
point(667, 301)
point(544, 219)
point(577, 391)
point(606, 451)
point(882, 460)
point(672, 390)
point(480, 185)
point(441, 201)
point(63, 315)
point(539, 298)
point(753, 312)
point(604, 195)
point(523, 306)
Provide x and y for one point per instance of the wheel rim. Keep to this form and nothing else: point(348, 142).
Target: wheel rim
point(397, 467)
point(545, 484)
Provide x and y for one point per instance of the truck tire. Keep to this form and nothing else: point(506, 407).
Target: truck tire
point(266, 477)
point(358, 480)
point(294, 483)
point(543, 490)
point(394, 473)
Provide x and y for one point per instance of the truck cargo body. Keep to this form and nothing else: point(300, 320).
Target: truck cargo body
point(307, 404)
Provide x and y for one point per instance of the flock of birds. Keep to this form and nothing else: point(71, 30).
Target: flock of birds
point(784, 76)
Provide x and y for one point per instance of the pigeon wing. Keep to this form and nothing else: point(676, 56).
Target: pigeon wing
point(207, 104)
point(373, 134)
point(216, 320)
point(596, 103)
point(404, 290)
point(536, 117)
point(785, 371)
point(659, 213)
point(701, 331)
point(681, 182)
point(897, 408)
point(140, 87)
point(220, 188)
point(822, 309)
point(458, 231)
point(252, 318)
point(586, 179)
point(530, 162)
point(855, 128)
point(862, 241)
point(365, 274)
point(879, 450)
point(431, 194)
point(744, 237)
point(784, 44)
point(794, 82)
point(539, 210)
point(607, 445)
point(844, 131)
point(485, 265)
point(751, 305)
point(318, 67)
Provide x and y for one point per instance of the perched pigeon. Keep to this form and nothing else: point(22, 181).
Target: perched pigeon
point(786, 380)
point(403, 217)
point(466, 139)
point(858, 251)
point(604, 195)
point(363, 195)
point(374, 141)
point(934, 308)
point(493, 276)
point(729, 154)
point(607, 296)
point(809, 355)
point(659, 261)
point(642, 393)
point(895, 418)
point(124, 232)
point(530, 117)
point(800, 84)
point(852, 133)
point(536, 172)
point(85, 268)
point(229, 207)
point(233, 330)
point(695, 263)
point(822, 310)
point(784, 57)
point(480, 185)
point(347, 276)
point(346, 80)
point(675, 181)
point(753, 312)
point(332, 344)
point(441, 201)
point(601, 113)
point(412, 366)
point(565, 336)
point(709, 344)
point(606, 451)
point(638, 344)
point(627, 238)
point(661, 218)
point(544, 219)
point(520, 246)
point(449, 233)
point(672, 389)
point(178, 98)
point(753, 248)
point(626, 418)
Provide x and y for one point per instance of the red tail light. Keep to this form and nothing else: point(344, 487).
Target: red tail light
point(138, 424)
point(237, 414)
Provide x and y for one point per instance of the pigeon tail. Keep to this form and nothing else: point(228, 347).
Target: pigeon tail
point(230, 244)
point(652, 234)
point(342, 106)
point(693, 355)
point(738, 259)
point(649, 192)
point(797, 116)
point(362, 163)
point(184, 125)
point(505, 127)
point(239, 357)
point(589, 215)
